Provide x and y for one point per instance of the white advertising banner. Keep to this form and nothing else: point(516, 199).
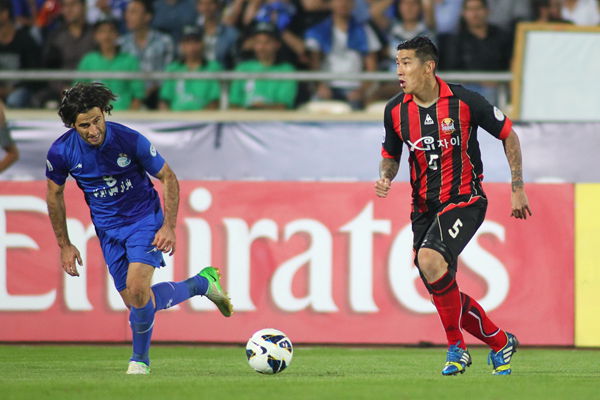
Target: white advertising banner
point(317, 151)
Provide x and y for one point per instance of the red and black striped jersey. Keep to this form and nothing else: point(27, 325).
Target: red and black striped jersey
point(444, 156)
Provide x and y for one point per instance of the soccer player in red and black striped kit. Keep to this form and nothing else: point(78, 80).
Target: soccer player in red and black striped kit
point(438, 123)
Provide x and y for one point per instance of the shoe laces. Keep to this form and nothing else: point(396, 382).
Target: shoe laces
point(455, 353)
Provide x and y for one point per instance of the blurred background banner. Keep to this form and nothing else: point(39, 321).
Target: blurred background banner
point(547, 90)
point(324, 262)
point(320, 150)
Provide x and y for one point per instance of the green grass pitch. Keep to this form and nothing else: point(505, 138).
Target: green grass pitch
point(221, 373)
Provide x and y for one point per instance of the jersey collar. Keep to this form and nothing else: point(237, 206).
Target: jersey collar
point(445, 90)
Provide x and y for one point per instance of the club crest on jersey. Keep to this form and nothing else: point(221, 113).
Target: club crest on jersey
point(123, 160)
point(498, 114)
point(448, 125)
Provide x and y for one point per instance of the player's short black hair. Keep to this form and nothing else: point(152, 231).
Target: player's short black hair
point(83, 97)
point(424, 48)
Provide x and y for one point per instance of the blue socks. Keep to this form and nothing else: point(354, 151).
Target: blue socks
point(166, 294)
point(142, 322)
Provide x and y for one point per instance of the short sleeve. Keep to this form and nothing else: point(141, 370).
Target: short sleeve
point(490, 117)
point(392, 144)
point(148, 157)
point(56, 169)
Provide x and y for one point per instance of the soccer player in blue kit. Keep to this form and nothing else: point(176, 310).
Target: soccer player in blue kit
point(110, 163)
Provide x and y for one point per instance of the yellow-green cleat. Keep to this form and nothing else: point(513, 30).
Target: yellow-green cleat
point(215, 292)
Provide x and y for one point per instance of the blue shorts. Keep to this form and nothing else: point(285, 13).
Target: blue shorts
point(131, 243)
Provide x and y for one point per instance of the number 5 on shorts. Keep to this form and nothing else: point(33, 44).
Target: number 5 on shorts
point(455, 230)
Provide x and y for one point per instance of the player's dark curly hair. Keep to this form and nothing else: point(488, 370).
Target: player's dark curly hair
point(424, 48)
point(83, 97)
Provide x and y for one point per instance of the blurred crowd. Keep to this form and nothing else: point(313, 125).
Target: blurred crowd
point(340, 36)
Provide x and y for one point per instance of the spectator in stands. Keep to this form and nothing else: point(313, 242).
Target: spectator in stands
point(108, 58)
point(443, 15)
point(11, 152)
point(191, 94)
point(284, 15)
point(25, 12)
point(98, 10)
point(548, 11)
point(18, 51)
point(340, 44)
point(48, 11)
point(478, 46)
point(172, 15)
point(64, 49)
point(219, 39)
point(154, 50)
point(505, 14)
point(581, 12)
point(264, 93)
point(400, 20)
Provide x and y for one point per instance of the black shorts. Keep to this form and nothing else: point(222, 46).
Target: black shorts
point(448, 229)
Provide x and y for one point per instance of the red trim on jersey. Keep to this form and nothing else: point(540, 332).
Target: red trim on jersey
point(414, 131)
point(506, 129)
point(464, 115)
point(443, 111)
point(385, 154)
point(462, 204)
point(445, 90)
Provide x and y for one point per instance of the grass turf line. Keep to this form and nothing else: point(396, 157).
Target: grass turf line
point(98, 372)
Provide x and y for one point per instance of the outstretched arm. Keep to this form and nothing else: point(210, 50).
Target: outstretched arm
point(512, 149)
point(388, 168)
point(11, 156)
point(164, 240)
point(57, 211)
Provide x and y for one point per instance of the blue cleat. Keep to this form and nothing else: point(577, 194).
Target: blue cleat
point(457, 360)
point(501, 359)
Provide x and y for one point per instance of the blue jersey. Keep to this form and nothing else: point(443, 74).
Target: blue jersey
point(112, 176)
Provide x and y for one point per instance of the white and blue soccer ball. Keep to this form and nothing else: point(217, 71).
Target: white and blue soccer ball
point(269, 351)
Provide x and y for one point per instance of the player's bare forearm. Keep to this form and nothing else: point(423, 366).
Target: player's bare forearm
point(57, 212)
point(388, 168)
point(519, 201)
point(12, 155)
point(512, 149)
point(170, 194)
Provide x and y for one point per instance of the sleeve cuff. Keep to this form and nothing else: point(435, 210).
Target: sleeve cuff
point(385, 154)
point(506, 129)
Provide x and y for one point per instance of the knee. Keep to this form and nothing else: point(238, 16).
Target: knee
point(432, 264)
point(137, 296)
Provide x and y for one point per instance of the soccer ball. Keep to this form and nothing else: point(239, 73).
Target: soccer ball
point(269, 351)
